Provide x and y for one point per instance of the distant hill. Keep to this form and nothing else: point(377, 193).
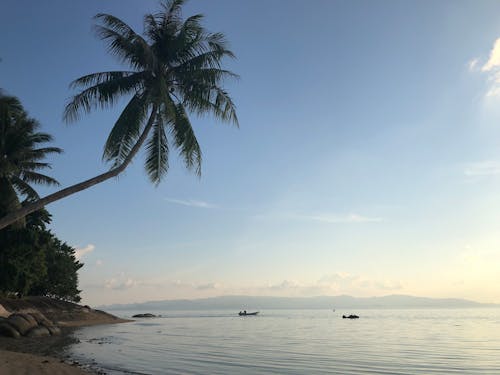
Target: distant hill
point(322, 302)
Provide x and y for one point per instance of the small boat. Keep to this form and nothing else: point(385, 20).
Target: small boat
point(244, 313)
point(350, 317)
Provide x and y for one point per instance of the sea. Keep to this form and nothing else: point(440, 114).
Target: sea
point(403, 341)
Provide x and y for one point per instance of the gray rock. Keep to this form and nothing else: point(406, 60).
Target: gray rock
point(147, 315)
point(29, 318)
point(54, 331)
point(7, 330)
point(20, 323)
point(40, 331)
point(41, 319)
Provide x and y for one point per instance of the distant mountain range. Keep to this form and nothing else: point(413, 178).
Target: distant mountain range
point(323, 302)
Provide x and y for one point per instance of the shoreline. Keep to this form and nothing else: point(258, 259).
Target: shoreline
point(48, 355)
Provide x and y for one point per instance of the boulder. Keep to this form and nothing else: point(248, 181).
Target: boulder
point(29, 318)
point(20, 323)
point(41, 319)
point(147, 315)
point(3, 312)
point(7, 330)
point(39, 331)
point(54, 331)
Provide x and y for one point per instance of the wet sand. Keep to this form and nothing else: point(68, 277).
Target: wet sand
point(48, 355)
point(13, 363)
point(45, 355)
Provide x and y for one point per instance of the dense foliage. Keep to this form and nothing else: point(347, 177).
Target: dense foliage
point(33, 261)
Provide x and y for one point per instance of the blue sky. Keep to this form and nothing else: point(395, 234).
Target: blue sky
point(367, 161)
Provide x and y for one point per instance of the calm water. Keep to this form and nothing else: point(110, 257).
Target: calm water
point(424, 341)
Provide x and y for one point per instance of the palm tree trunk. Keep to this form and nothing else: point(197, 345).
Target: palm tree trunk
point(32, 207)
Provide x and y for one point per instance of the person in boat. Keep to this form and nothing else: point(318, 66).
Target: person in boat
point(244, 312)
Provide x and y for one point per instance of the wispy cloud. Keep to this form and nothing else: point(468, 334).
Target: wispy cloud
point(195, 286)
point(81, 252)
point(473, 64)
point(335, 283)
point(191, 203)
point(120, 284)
point(491, 68)
point(208, 286)
point(340, 219)
point(482, 168)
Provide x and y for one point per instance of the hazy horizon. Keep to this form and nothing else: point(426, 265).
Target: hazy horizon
point(367, 161)
point(311, 302)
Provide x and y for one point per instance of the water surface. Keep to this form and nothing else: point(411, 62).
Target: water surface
point(423, 341)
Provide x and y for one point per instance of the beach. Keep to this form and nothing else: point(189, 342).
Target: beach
point(46, 355)
point(13, 363)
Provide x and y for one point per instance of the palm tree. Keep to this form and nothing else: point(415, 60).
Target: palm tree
point(173, 70)
point(21, 157)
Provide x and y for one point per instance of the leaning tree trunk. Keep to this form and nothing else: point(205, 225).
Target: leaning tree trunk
point(41, 203)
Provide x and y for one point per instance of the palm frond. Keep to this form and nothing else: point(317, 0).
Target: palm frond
point(37, 178)
point(184, 138)
point(124, 42)
point(209, 59)
point(157, 152)
point(34, 166)
point(47, 150)
point(126, 129)
point(103, 95)
point(171, 13)
point(24, 188)
point(97, 78)
point(201, 99)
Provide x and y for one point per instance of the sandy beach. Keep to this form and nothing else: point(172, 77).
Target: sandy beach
point(13, 363)
point(44, 355)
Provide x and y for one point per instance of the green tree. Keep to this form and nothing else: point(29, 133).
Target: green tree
point(173, 70)
point(22, 254)
point(22, 156)
point(61, 279)
point(35, 262)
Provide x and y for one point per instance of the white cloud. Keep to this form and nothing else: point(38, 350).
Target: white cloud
point(191, 203)
point(494, 59)
point(81, 252)
point(482, 168)
point(98, 262)
point(120, 284)
point(491, 68)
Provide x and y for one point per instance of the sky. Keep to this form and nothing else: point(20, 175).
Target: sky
point(367, 161)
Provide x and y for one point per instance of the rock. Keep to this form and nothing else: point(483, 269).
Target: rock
point(41, 319)
point(8, 330)
point(40, 331)
point(3, 312)
point(147, 315)
point(22, 324)
point(54, 331)
point(29, 318)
